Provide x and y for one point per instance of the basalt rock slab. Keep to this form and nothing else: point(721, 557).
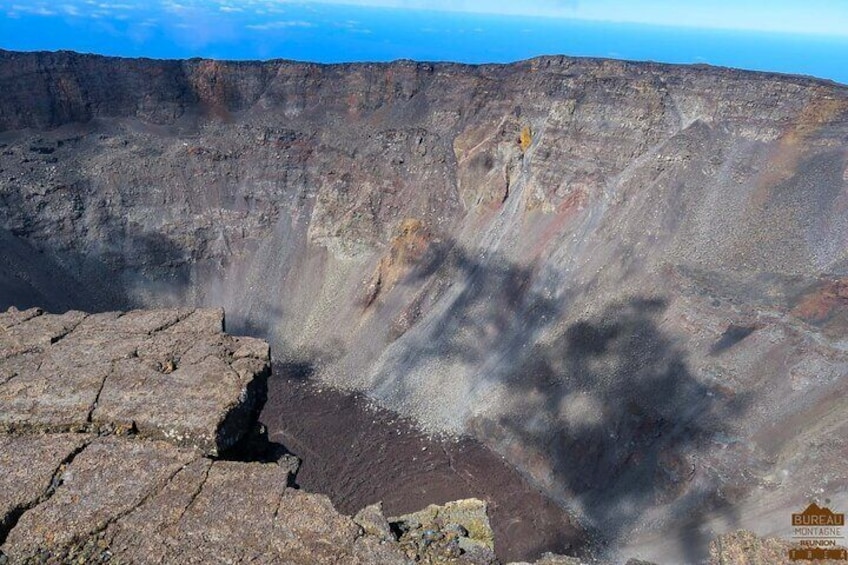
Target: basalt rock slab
point(133, 500)
point(167, 374)
point(232, 511)
point(105, 481)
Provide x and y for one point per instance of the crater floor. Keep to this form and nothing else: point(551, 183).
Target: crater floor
point(358, 453)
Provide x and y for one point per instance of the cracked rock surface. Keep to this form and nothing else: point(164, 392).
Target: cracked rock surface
point(131, 500)
point(167, 374)
point(29, 466)
point(111, 430)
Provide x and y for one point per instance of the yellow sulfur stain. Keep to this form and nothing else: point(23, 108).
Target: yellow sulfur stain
point(525, 138)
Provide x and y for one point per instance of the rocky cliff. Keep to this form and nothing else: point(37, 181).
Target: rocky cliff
point(113, 442)
point(629, 279)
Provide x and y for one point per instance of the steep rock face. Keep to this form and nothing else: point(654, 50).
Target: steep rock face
point(627, 278)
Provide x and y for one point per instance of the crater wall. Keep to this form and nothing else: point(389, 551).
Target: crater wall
point(629, 279)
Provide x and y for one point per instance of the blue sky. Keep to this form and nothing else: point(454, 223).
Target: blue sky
point(811, 16)
point(804, 37)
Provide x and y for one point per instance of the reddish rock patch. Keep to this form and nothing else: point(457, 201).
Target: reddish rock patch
point(823, 303)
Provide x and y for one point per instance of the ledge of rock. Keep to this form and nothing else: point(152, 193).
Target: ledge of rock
point(161, 374)
point(110, 429)
point(79, 498)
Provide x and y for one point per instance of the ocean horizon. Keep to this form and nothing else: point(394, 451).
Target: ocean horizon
point(347, 34)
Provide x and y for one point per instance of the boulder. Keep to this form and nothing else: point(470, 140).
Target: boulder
point(440, 533)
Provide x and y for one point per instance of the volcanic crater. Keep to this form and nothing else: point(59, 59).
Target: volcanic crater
point(608, 297)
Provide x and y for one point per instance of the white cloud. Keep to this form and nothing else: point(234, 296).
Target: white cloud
point(95, 9)
point(823, 17)
point(280, 25)
point(32, 9)
point(171, 6)
point(536, 8)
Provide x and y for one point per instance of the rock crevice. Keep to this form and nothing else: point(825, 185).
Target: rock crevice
point(11, 514)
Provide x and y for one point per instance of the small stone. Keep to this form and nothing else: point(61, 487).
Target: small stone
point(373, 522)
point(458, 529)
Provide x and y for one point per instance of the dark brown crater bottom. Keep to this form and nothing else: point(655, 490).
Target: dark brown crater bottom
point(358, 454)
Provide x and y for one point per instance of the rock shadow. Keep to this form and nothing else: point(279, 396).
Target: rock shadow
point(621, 421)
point(257, 447)
point(116, 275)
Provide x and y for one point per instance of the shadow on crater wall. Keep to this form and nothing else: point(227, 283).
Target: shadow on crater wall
point(120, 274)
point(609, 405)
point(624, 419)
